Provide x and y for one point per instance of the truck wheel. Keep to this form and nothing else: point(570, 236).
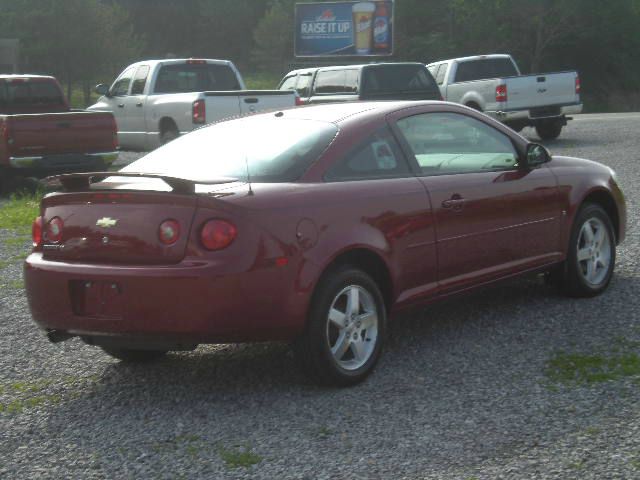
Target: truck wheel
point(168, 133)
point(345, 329)
point(475, 106)
point(549, 129)
point(134, 356)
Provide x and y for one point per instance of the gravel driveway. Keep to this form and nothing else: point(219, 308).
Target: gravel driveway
point(461, 392)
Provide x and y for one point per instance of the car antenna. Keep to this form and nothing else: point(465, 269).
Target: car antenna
point(246, 162)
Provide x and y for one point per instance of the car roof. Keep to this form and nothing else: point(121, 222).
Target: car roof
point(338, 112)
point(18, 76)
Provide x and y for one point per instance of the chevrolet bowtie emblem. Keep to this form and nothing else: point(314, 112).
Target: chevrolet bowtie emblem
point(107, 222)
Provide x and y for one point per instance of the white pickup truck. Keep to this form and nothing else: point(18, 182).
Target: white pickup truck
point(155, 101)
point(493, 84)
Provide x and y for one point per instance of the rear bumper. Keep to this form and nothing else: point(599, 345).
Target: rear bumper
point(186, 303)
point(72, 162)
point(532, 115)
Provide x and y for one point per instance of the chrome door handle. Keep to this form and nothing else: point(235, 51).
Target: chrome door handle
point(121, 105)
point(456, 202)
point(139, 104)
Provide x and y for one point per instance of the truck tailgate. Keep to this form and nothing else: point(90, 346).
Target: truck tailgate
point(45, 134)
point(250, 101)
point(542, 90)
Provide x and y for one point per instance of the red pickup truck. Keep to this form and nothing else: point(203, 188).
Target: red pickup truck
point(40, 135)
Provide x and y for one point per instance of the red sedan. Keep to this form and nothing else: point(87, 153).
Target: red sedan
point(313, 226)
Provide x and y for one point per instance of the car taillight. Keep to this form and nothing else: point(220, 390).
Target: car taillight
point(199, 112)
point(196, 61)
point(217, 234)
point(169, 232)
point(53, 232)
point(577, 85)
point(36, 232)
point(501, 93)
point(299, 101)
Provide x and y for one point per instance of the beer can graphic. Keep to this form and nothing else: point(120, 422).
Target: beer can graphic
point(363, 27)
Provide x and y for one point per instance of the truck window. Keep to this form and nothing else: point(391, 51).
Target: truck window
point(335, 81)
point(485, 68)
point(442, 70)
point(289, 83)
point(30, 93)
point(140, 80)
point(195, 77)
point(120, 87)
point(304, 85)
point(384, 79)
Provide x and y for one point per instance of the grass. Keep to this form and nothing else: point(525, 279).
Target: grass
point(575, 368)
point(18, 213)
point(239, 458)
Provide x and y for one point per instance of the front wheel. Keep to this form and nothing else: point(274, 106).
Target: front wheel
point(592, 253)
point(345, 329)
point(134, 356)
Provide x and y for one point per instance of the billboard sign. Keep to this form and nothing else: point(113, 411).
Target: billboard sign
point(336, 29)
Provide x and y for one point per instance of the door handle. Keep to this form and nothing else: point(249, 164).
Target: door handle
point(250, 100)
point(121, 105)
point(456, 202)
point(139, 104)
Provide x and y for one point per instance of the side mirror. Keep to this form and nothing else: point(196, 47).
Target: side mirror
point(537, 155)
point(102, 89)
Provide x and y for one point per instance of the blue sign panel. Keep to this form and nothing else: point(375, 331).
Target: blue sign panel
point(344, 29)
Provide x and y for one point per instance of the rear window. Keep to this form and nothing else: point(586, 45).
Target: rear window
point(485, 68)
point(385, 79)
point(337, 81)
point(182, 78)
point(30, 93)
point(271, 149)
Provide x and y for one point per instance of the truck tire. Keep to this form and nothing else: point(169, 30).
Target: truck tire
point(474, 105)
point(168, 132)
point(549, 129)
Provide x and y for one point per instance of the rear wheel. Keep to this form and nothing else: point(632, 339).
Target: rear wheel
point(549, 129)
point(345, 329)
point(592, 253)
point(134, 356)
point(168, 133)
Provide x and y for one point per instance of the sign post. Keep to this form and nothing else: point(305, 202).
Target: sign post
point(344, 29)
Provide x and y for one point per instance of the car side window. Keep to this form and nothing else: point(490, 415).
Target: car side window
point(446, 143)
point(120, 87)
point(140, 80)
point(379, 156)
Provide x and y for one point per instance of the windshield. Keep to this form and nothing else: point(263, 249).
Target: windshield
point(272, 149)
point(381, 79)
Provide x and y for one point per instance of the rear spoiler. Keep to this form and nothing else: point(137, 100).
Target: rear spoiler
point(83, 181)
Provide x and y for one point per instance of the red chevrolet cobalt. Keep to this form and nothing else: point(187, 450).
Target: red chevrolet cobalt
point(313, 226)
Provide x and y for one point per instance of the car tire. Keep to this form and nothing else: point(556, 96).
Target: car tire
point(591, 256)
point(549, 130)
point(345, 330)
point(134, 356)
point(168, 134)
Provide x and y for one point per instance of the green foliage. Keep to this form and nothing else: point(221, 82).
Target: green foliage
point(20, 211)
point(239, 458)
point(573, 368)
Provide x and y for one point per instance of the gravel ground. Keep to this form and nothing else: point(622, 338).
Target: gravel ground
point(460, 393)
